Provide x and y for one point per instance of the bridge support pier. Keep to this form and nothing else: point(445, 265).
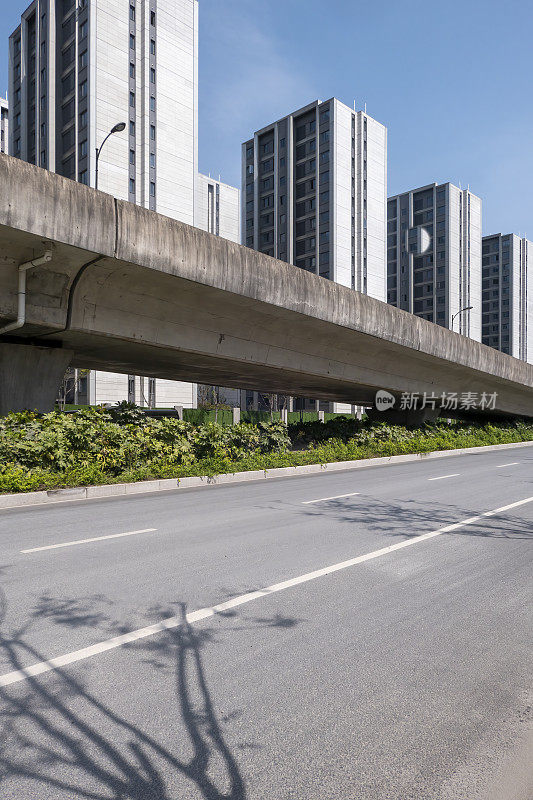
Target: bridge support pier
point(411, 418)
point(30, 376)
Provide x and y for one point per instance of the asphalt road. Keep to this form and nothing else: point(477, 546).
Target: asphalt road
point(404, 673)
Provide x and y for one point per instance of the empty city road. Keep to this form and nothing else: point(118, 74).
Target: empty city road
point(357, 635)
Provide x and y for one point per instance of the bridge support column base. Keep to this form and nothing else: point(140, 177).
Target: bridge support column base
point(413, 418)
point(30, 376)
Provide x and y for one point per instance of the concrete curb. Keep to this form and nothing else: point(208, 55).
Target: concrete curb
point(122, 489)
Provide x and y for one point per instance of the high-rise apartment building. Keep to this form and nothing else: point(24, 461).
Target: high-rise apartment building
point(507, 272)
point(218, 208)
point(434, 256)
point(80, 67)
point(314, 192)
point(4, 125)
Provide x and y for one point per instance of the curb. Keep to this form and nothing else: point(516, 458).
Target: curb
point(142, 487)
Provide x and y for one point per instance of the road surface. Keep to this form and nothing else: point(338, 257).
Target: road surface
point(357, 635)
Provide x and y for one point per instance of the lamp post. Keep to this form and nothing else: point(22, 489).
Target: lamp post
point(466, 308)
point(115, 129)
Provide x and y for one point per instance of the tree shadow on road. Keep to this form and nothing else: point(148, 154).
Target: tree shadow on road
point(57, 734)
point(407, 518)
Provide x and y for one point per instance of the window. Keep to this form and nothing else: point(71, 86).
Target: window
point(83, 89)
point(152, 132)
point(324, 197)
point(83, 119)
point(43, 158)
point(17, 145)
point(132, 99)
point(152, 17)
point(132, 13)
point(67, 56)
point(132, 41)
point(83, 30)
point(84, 177)
point(249, 152)
point(17, 47)
point(17, 96)
point(152, 75)
point(83, 148)
point(152, 189)
point(132, 70)
point(152, 160)
point(83, 59)
point(17, 121)
point(282, 162)
point(152, 47)
point(282, 180)
point(282, 219)
point(132, 157)
point(132, 185)
point(282, 142)
point(152, 103)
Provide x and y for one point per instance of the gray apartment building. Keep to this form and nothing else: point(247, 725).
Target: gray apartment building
point(507, 289)
point(4, 125)
point(434, 256)
point(314, 188)
point(80, 67)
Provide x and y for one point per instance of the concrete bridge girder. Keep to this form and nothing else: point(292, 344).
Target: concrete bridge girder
point(132, 291)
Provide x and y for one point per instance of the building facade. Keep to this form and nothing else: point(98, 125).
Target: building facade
point(507, 273)
point(80, 67)
point(218, 208)
point(314, 191)
point(4, 125)
point(434, 256)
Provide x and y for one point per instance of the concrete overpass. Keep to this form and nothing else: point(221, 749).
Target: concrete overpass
point(130, 291)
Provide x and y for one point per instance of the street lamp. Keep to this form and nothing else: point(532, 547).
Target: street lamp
point(466, 308)
point(115, 129)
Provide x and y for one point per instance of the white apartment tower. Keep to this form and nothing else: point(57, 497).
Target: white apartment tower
point(4, 125)
point(78, 68)
point(218, 208)
point(507, 271)
point(314, 194)
point(434, 256)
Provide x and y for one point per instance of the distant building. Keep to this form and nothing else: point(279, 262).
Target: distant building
point(507, 272)
point(4, 125)
point(314, 192)
point(434, 256)
point(79, 67)
point(218, 208)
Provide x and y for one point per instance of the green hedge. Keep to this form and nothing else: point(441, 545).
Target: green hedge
point(120, 445)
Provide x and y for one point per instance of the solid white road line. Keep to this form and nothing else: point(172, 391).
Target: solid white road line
point(323, 499)
point(203, 613)
point(442, 477)
point(84, 541)
point(513, 464)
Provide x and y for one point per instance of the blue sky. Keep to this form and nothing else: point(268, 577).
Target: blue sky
point(451, 80)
